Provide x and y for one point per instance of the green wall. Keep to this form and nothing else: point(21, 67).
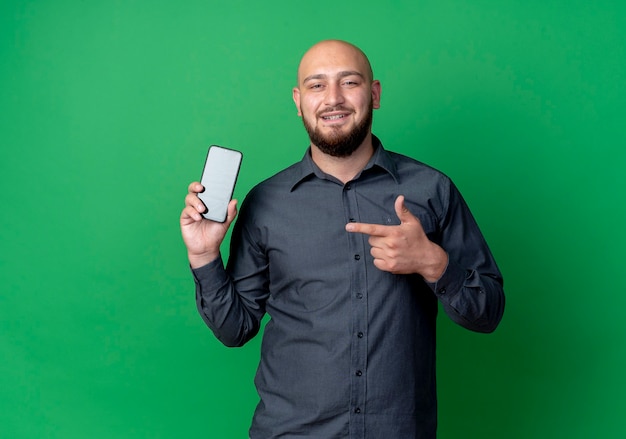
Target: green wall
point(106, 111)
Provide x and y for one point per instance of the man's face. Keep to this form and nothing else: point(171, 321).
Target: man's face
point(335, 97)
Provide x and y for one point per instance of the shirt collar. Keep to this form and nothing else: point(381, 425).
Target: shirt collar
point(381, 158)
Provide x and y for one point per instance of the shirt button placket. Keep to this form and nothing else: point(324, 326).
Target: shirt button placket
point(358, 362)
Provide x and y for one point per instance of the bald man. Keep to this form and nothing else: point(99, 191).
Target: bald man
point(349, 252)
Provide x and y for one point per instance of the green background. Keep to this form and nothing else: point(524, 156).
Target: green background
point(106, 111)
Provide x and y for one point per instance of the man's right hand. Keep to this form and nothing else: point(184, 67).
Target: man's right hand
point(202, 237)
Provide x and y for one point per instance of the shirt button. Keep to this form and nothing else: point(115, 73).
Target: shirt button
point(357, 410)
point(357, 257)
point(352, 220)
point(442, 290)
point(360, 335)
point(359, 295)
point(359, 373)
point(348, 187)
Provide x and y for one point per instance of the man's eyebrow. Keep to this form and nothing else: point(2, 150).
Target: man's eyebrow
point(342, 74)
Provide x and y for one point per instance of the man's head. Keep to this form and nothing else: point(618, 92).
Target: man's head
point(335, 96)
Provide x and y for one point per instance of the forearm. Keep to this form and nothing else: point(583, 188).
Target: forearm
point(233, 319)
point(471, 299)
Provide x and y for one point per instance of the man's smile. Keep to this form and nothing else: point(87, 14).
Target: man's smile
point(335, 117)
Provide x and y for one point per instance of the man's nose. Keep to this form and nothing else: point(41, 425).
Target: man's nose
point(334, 95)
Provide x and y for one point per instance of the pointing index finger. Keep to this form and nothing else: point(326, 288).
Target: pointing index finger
point(368, 229)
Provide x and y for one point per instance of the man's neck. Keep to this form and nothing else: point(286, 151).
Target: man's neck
point(344, 168)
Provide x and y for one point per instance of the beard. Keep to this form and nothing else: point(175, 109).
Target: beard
point(336, 143)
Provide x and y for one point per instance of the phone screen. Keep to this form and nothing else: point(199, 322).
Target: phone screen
point(218, 178)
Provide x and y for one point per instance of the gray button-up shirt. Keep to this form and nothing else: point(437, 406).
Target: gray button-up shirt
point(349, 350)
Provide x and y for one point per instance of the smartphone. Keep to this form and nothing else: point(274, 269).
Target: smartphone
point(218, 178)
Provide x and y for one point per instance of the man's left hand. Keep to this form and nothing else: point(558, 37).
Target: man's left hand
point(403, 249)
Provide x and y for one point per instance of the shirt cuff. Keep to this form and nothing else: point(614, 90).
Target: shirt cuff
point(214, 270)
point(450, 282)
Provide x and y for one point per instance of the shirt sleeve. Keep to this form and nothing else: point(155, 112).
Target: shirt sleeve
point(233, 318)
point(232, 299)
point(471, 288)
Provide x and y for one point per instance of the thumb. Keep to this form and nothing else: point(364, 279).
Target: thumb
point(404, 214)
point(232, 212)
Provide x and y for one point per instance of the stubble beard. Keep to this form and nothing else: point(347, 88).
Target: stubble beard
point(336, 143)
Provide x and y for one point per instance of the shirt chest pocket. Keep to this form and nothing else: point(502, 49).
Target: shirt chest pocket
point(428, 221)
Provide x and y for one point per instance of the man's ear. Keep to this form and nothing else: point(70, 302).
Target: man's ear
point(296, 99)
point(376, 91)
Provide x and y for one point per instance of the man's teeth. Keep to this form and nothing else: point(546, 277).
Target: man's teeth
point(338, 116)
